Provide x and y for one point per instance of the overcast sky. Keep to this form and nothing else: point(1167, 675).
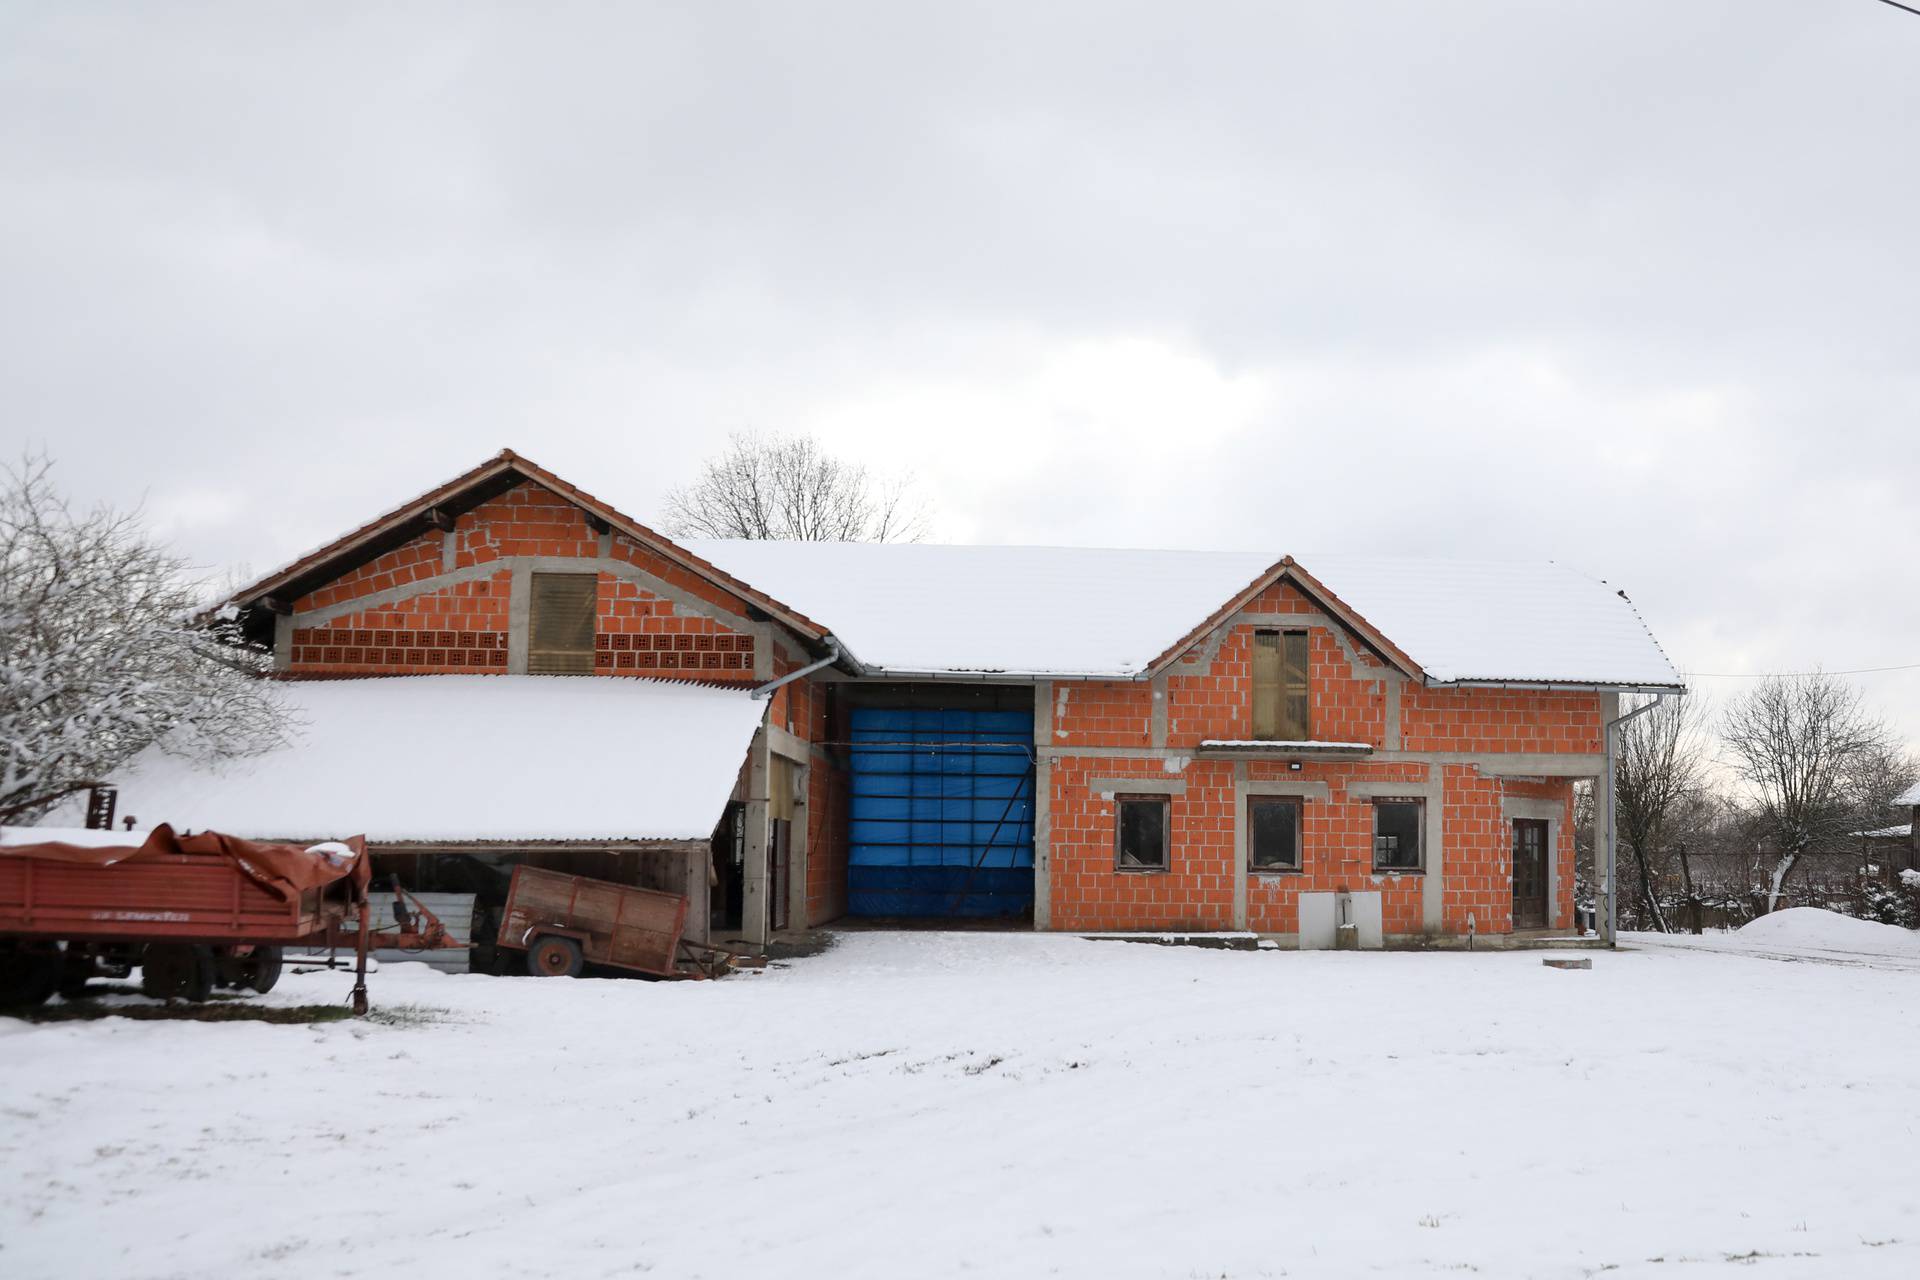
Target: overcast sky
point(1633, 286)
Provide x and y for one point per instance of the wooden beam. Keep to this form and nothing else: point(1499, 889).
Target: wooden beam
point(596, 524)
point(275, 605)
point(440, 519)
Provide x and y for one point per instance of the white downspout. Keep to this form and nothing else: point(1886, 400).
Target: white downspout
point(833, 655)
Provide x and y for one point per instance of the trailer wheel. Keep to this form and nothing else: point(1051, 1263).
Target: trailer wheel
point(553, 957)
point(262, 968)
point(177, 971)
point(76, 966)
point(27, 977)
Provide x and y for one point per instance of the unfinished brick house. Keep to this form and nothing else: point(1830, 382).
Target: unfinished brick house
point(1341, 751)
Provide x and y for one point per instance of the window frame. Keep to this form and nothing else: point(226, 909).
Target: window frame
point(538, 659)
point(1282, 690)
point(1419, 804)
point(1299, 806)
point(1165, 803)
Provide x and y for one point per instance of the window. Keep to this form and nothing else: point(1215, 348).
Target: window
point(1140, 833)
point(1273, 833)
point(1396, 835)
point(1280, 703)
point(560, 638)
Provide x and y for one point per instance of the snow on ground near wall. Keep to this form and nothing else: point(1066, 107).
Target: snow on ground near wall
point(1801, 933)
point(1000, 1105)
point(1813, 927)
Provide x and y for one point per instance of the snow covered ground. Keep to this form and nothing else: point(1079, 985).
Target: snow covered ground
point(994, 1105)
point(1802, 934)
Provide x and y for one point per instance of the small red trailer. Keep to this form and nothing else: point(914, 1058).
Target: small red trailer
point(565, 923)
point(193, 912)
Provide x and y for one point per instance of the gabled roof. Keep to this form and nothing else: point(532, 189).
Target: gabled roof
point(397, 759)
point(920, 609)
point(464, 492)
point(1910, 796)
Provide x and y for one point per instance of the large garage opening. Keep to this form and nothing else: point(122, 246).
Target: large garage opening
point(940, 815)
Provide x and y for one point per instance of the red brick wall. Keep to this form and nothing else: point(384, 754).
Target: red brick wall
point(1196, 892)
point(1209, 697)
point(463, 627)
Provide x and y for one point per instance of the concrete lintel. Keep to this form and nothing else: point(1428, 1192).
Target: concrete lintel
point(788, 746)
point(1306, 789)
point(1108, 787)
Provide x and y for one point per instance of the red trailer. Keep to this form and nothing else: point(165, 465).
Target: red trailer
point(565, 923)
point(191, 911)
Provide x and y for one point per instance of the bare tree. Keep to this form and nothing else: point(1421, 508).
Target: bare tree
point(1811, 753)
point(100, 652)
point(1660, 763)
point(788, 487)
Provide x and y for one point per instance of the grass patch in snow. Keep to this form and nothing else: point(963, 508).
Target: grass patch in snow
point(212, 1011)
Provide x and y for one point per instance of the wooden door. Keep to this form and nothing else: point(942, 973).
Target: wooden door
point(1529, 873)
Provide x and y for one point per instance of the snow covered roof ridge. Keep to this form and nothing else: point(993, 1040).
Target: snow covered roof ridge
point(910, 609)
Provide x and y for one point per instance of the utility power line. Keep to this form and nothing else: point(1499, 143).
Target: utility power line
point(1793, 675)
point(1896, 4)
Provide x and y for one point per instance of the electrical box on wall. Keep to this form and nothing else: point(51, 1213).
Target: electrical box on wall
point(1324, 917)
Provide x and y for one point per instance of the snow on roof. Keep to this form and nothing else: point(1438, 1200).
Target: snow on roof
point(917, 607)
point(1902, 832)
point(1910, 796)
point(433, 758)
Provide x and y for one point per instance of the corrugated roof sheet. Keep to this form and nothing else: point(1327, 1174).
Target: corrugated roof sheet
point(447, 758)
point(922, 608)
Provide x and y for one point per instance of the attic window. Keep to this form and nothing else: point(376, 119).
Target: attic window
point(560, 634)
point(1281, 709)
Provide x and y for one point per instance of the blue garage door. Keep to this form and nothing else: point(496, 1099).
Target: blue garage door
point(942, 813)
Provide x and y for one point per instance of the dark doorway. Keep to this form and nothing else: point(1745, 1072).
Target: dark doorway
point(1529, 873)
point(729, 870)
point(779, 868)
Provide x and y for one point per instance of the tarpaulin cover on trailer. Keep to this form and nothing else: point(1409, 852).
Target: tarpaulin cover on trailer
point(286, 870)
point(941, 822)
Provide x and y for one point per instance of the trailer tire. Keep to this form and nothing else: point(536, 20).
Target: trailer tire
point(177, 971)
point(27, 977)
point(76, 966)
point(263, 968)
point(553, 957)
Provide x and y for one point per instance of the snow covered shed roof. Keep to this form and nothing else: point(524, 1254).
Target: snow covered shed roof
point(469, 758)
point(916, 608)
point(1910, 796)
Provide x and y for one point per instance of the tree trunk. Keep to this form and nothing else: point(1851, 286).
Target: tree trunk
point(1648, 898)
point(1686, 881)
point(1777, 885)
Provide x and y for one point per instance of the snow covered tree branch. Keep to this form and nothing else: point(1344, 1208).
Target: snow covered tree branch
point(100, 653)
point(1813, 756)
point(1661, 763)
point(788, 487)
